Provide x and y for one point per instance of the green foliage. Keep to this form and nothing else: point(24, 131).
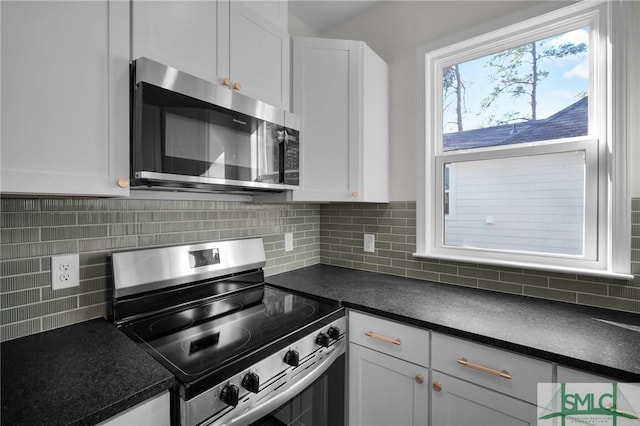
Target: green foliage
point(517, 73)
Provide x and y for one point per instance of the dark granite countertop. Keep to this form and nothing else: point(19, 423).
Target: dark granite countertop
point(565, 333)
point(76, 375)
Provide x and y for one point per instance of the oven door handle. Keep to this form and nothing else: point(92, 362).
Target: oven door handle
point(268, 406)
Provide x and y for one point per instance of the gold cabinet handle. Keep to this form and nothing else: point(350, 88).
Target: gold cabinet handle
point(237, 86)
point(504, 373)
point(123, 182)
point(226, 82)
point(437, 386)
point(419, 379)
point(382, 338)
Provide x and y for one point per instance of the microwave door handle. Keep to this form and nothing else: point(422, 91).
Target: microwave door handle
point(268, 406)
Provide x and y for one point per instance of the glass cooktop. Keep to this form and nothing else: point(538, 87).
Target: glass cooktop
point(194, 341)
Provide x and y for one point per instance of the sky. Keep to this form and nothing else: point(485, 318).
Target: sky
point(567, 78)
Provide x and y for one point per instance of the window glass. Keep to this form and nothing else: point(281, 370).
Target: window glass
point(534, 92)
point(528, 204)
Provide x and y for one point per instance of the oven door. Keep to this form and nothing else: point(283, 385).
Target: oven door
point(316, 400)
point(320, 404)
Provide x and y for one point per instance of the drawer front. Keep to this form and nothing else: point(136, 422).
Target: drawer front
point(390, 337)
point(570, 375)
point(504, 371)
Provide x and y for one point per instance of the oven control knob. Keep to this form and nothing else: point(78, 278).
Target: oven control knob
point(251, 382)
point(322, 340)
point(292, 358)
point(229, 395)
point(334, 333)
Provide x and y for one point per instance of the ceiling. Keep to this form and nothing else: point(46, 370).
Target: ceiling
point(320, 15)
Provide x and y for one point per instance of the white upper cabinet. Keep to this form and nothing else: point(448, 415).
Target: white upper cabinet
point(65, 98)
point(257, 62)
point(341, 94)
point(276, 11)
point(226, 42)
point(181, 34)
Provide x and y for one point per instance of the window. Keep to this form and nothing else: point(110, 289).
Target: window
point(519, 137)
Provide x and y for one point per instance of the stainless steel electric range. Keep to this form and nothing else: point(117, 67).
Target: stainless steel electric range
point(242, 352)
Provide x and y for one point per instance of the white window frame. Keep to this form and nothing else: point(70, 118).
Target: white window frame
point(607, 208)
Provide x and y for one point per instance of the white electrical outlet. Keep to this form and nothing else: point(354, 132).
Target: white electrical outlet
point(65, 271)
point(369, 243)
point(288, 241)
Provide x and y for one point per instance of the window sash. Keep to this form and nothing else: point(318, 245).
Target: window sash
point(588, 146)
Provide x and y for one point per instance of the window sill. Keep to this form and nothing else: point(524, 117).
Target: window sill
point(532, 266)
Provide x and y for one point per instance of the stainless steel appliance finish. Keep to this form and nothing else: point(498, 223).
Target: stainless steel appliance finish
point(189, 134)
point(279, 384)
point(157, 268)
point(166, 77)
point(242, 351)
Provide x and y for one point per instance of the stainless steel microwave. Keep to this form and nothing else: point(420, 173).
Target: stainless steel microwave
point(191, 134)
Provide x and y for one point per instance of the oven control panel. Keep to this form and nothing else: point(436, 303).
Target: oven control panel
point(266, 380)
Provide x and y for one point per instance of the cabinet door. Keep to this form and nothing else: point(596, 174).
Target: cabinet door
point(65, 97)
point(181, 34)
point(153, 412)
point(460, 403)
point(258, 56)
point(274, 10)
point(326, 89)
point(383, 390)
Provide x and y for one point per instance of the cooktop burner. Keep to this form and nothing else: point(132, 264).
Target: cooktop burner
point(197, 340)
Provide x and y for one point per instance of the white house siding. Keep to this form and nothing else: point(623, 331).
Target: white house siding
point(524, 204)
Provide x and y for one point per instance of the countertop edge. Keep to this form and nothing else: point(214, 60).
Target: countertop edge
point(576, 363)
point(366, 291)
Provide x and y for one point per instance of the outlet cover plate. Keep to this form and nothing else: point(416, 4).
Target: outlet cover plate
point(288, 241)
point(369, 243)
point(65, 271)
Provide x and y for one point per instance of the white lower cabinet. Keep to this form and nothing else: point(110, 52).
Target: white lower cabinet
point(404, 375)
point(571, 375)
point(153, 412)
point(384, 387)
point(384, 391)
point(479, 385)
point(460, 403)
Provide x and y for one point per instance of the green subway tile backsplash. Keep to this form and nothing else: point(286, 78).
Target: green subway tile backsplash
point(34, 229)
point(394, 227)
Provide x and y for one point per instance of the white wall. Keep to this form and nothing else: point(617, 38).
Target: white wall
point(635, 101)
point(394, 30)
point(299, 28)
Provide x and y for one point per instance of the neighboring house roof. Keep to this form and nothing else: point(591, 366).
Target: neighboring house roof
point(571, 121)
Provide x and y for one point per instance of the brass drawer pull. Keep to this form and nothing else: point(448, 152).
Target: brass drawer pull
point(504, 373)
point(383, 338)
